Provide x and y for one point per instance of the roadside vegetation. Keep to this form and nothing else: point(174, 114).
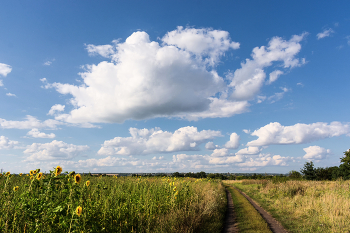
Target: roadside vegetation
point(303, 206)
point(58, 202)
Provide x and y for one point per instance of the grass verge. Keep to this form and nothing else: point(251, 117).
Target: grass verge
point(249, 220)
point(304, 206)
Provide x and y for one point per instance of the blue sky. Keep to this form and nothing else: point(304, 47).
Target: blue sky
point(165, 86)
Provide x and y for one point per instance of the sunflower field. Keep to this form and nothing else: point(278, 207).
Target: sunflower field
point(70, 202)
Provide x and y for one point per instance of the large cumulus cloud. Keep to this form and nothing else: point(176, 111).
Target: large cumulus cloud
point(174, 78)
point(277, 134)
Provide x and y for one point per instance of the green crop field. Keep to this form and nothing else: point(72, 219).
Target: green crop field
point(69, 202)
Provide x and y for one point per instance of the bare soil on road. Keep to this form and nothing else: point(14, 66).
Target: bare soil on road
point(230, 220)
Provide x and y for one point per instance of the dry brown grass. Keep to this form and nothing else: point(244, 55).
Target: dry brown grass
point(305, 206)
point(231, 181)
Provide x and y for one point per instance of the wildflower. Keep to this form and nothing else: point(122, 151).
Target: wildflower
point(7, 173)
point(38, 177)
point(87, 183)
point(15, 188)
point(58, 170)
point(77, 178)
point(20, 174)
point(79, 210)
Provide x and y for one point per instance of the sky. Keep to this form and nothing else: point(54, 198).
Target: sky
point(173, 86)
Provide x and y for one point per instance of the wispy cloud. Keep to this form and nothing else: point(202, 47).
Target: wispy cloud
point(325, 33)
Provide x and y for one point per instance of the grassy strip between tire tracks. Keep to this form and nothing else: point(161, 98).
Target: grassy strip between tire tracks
point(249, 220)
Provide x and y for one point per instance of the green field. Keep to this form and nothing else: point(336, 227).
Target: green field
point(81, 203)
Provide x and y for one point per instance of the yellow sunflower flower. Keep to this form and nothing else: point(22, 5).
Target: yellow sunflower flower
point(20, 174)
point(38, 177)
point(58, 170)
point(8, 173)
point(77, 178)
point(31, 172)
point(79, 210)
point(15, 188)
point(34, 172)
point(87, 183)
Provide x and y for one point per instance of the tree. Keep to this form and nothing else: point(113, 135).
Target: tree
point(295, 175)
point(309, 171)
point(345, 165)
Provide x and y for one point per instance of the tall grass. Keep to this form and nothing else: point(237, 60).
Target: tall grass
point(110, 204)
point(304, 206)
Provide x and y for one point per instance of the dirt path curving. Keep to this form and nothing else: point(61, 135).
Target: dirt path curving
point(230, 220)
point(274, 225)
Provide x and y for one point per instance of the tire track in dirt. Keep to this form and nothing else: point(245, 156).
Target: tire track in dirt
point(274, 225)
point(230, 220)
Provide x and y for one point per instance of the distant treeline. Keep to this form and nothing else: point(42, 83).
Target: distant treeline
point(308, 172)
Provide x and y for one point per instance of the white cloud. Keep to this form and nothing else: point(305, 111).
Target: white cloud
point(175, 78)
point(103, 50)
point(247, 131)
point(146, 79)
point(274, 76)
point(275, 133)
point(48, 62)
point(260, 98)
point(265, 160)
point(5, 69)
point(277, 96)
point(234, 141)
point(5, 143)
point(227, 160)
point(316, 153)
point(247, 81)
point(223, 152)
point(53, 150)
point(30, 123)
point(211, 146)
point(35, 133)
point(250, 150)
point(148, 141)
point(202, 42)
point(348, 39)
point(325, 33)
point(107, 162)
point(10, 94)
point(56, 108)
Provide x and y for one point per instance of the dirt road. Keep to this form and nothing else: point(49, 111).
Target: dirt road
point(231, 226)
